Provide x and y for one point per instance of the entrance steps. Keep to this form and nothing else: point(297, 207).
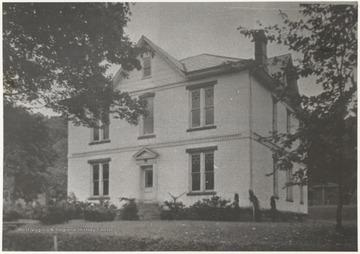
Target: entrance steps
point(149, 211)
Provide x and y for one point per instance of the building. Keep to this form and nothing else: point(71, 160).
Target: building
point(202, 136)
point(323, 194)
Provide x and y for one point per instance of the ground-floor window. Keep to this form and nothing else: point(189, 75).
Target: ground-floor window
point(275, 179)
point(100, 179)
point(289, 188)
point(202, 169)
point(301, 194)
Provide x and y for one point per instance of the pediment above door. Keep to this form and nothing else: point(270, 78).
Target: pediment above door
point(145, 154)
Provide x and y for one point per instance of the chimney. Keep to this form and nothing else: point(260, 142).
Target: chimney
point(260, 48)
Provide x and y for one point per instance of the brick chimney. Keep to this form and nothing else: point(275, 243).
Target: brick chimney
point(260, 48)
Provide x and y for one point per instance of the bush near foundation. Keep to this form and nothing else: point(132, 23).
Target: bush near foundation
point(55, 213)
point(129, 210)
point(213, 209)
point(216, 208)
point(105, 211)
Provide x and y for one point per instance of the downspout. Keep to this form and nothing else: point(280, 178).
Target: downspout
point(251, 130)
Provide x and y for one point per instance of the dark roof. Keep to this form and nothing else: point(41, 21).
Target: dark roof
point(206, 61)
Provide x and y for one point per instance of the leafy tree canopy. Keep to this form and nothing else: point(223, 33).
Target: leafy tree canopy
point(28, 151)
point(58, 54)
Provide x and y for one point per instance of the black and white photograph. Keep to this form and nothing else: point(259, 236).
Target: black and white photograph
point(179, 126)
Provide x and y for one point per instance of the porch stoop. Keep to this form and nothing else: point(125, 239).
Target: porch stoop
point(149, 211)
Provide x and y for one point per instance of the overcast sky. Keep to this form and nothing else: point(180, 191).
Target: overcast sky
point(188, 29)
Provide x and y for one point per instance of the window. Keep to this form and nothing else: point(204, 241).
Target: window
point(288, 121)
point(202, 107)
point(147, 67)
point(148, 177)
point(289, 188)
point(147, 123)
point(101, 132)
point(202, 169)
point(301, 194)
point(100, 179)
point(275, 178)
point(149, 119)
point(274, 115)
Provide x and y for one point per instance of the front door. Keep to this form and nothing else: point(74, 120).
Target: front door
point(148, 192)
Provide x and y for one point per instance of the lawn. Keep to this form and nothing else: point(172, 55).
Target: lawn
point(210, 235)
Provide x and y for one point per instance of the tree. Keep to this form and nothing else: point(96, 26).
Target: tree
point(326, 38)
point(58, 54)
point(27, 151)
point(56, 182)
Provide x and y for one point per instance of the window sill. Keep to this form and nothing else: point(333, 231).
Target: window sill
point(290, 200)
point(147, 77)
point(147, 136)
point(99, 198)
point(201, 128)
point(99, 142)
point(201, 193)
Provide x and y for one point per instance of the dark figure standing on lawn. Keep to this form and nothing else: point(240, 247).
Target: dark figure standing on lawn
point(273, 210)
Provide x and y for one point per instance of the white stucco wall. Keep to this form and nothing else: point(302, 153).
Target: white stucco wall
point(262, 155)
point(171, 117)
point(172, 172)
point(263, 185)
point(171, 120)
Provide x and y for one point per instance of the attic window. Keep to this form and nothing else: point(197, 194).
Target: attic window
point(147, 67)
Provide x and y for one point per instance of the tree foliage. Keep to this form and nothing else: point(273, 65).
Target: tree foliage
point(28, 151)
point(58, 54)
point(326, 39)
point(56, 182)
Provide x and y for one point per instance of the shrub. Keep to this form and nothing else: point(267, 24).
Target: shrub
point(76, 207)
point(173, 210)
point(11, 215)
point(12, 212)
point(54, 214)
point(214, 208)
point(129, 210)
point(100, 212)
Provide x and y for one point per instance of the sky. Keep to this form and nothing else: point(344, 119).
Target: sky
point(188, 29)
point(191, 28)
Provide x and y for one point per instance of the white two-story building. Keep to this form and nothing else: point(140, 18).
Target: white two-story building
point(201, 138)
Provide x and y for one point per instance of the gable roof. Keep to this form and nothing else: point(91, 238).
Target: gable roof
point(178, 65)
point(204, 64)
point(205, 61)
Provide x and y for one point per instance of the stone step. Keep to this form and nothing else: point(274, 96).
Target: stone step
point(149, 211)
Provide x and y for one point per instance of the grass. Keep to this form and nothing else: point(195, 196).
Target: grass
point(236, 235)
point(349, 213)
point(317, 233)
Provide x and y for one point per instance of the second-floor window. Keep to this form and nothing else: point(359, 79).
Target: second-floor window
point(202, 107)
point(288, 121)
point(101, 132)
point(148, 121)
point(274, 115)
